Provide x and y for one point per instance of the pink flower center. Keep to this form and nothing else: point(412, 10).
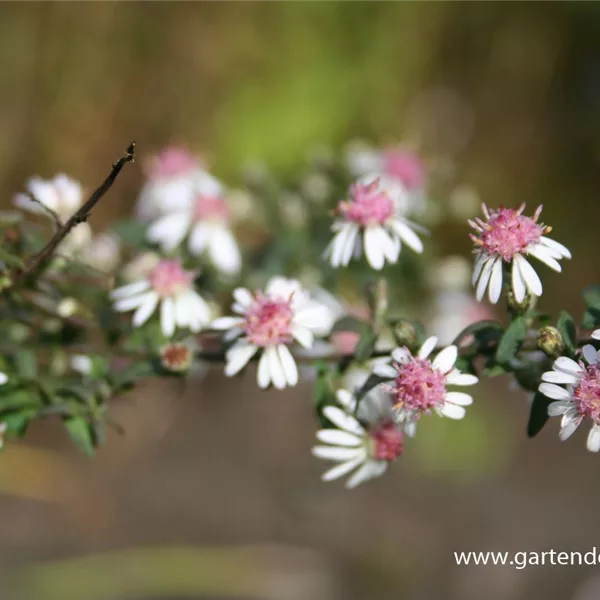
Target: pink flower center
point(369, 205)
point(387, 441)
point(507, 232)
point(587, 394)
point(418, 386)
point(172, 162)
point(405, 166)
point(269, 321)
point(169, 278)
point(210, 208)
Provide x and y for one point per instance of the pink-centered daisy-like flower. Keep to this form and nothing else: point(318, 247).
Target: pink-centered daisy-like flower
point(365, 443)
point(371, 218)
point(580, 399)
point(171, 175)
point(169, 285)
point(420, 385)
point(506, 237)
point(269, 322)
point(62, 196)
point(205, 221)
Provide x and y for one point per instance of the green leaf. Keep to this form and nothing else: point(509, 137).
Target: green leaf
point(591, 295)
point(17, 422)
point(538, 415)
point(26, 364)
point(131, 232)
point(372, 382)
point(366, 345)
point(349, 323)
point(512, 340)
point(11, 260)
point(568, 331)
point(591, 318)
point(81, 434)
point(486, 335)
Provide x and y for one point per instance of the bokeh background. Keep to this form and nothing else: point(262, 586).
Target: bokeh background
point(212, 492)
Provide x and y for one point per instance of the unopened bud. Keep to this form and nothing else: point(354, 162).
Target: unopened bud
point(520, 307)
point(550, 341)
point(176, 357)
point(405, 333)
point(5, 282)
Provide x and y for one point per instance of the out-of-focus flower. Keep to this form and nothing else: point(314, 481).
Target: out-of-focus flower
point(169, 285)
point(176, 356)
point(67, 307)
point(81, 363)
point(366, 449)
point(3, 378)
point(293, 209)
point(170, 185)
point(62, 196)
point(420, 385)
point(205, 222)
point(102, 253)
point(270, 322)
point(596, 334)
point(506, 237)
point(581, 398)
point(140, 266)
point(370, 218)
point(463, 201)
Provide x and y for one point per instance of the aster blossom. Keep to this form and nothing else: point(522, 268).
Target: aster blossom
point(371, 219)
point(419, 385)
point(269, 322)
point(506, 237)
point(580, 399)
point(365, 443)
point(205, 221)
point(169, 286)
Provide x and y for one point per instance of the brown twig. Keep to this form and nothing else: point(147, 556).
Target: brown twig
point(49, 211)
point(36, 264)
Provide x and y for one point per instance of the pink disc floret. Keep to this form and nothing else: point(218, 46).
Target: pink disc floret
point(404, 165)
point(173, 161)
point(387, 441)
point(368, 204)
point(418, 386)
point(168, 278)
point(507, 232)
point(210, 207)
point(587, 394)
point(269, 321)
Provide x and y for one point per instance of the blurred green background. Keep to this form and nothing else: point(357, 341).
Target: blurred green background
point(212, 492)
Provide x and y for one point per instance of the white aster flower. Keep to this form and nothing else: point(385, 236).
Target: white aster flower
point(365, 444)
point(169, 285)
point(506, 238)
point(140, 266)
point(371, 218)
point(420, 384)
point(205, 223)
point(580, 399)
point(269, 322)
point(102, 252)
point(170, 185)
point(62, 196)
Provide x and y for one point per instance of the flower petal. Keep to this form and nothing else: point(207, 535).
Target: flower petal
point(554, 391)
point(343, 420)
point(445, 360)
point(428, 346)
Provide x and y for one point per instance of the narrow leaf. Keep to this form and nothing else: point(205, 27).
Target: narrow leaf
point(511, 340)
point(538, 415)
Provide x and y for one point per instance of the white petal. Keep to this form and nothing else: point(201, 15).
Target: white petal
point(343, 420)
point(303, 336)
point(554, 391)
point(459, 398)
point(408, 236)
point(559, 377)
point(558, 408)
point(243, 297)
point(428, 346)
point(481, 260)
point(183, 306)
point(389, 247)
point(452, 411)
point(277, 373)
point(593, 440)
point(339, 244)
point(226, 322)
point(518, 285)
point(288, 363)
point(264, 373)
point(589, 353)
point(458, 378)
point(223, 250)
point(484, 278)
point(596, 334)
point(349, 244)
point(402, 355)
point(315, 317)
point(495, 285)
point(530, 277)
point(385, 371)
point(346, 399)
point(131, 289)
point(126, 304)
point(568, 430)
point(558, 247)
point(445, 360)
point(367, 471)
point(4, 378)
point(373, 251)
point(145, 310)
point(238, 356)
point(198, 238)
point(167, 316)
point(543, 254)
point(568, 365)
point(335, 453)
point(338, 438)
point(169, 231)
point(342, 469)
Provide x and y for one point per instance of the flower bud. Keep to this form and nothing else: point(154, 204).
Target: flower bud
point(519, 307)
point(176, 357)
point(405, 333)
point(5, 281)
point(550, 341)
